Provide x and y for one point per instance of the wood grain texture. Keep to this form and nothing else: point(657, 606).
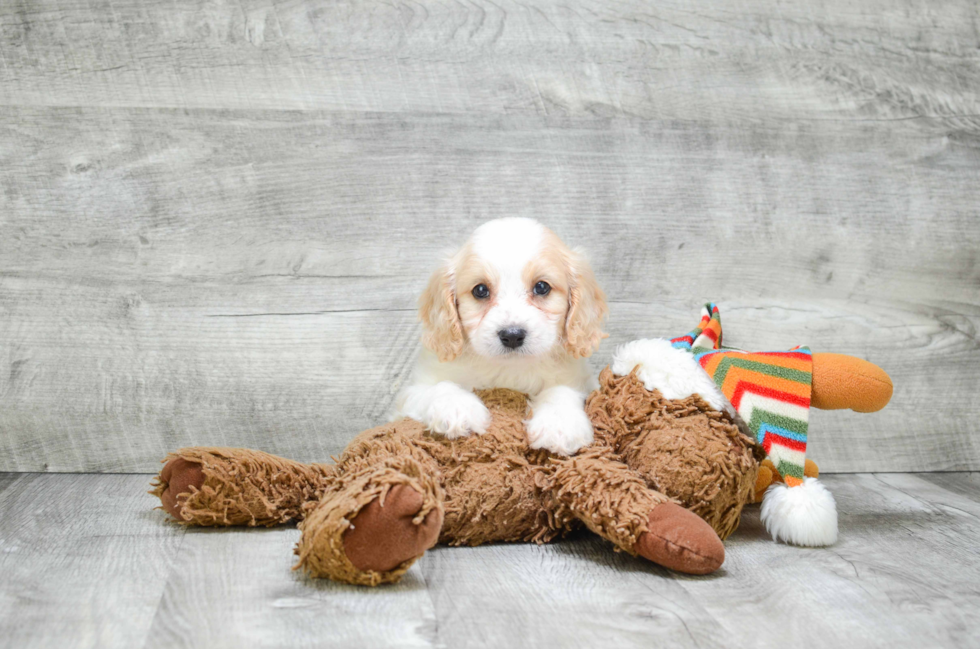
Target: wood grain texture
point(234, 588)
point(578, 593)
point(753, 60)
point(903, 573)
point(902, 539)
point(964, 484)
point(215, 216)
point(83, 560)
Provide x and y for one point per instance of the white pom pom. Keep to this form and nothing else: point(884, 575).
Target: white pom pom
point(801, 515)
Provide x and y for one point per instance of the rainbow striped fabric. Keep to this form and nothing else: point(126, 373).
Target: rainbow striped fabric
point(770, 391)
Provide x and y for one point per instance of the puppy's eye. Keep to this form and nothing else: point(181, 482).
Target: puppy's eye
point(542, 288)
point(481, 292)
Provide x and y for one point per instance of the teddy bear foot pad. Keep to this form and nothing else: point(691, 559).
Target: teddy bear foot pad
point(384, 534)
point(678, 539)
point(179, 477)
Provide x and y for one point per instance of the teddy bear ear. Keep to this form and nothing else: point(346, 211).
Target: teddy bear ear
point(440, 316)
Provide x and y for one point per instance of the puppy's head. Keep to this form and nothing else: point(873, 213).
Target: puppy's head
point(513, 290)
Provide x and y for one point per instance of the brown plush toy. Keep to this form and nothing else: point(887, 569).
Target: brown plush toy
point(665, 479)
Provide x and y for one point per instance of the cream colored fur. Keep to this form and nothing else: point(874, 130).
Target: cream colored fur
point(463, 351)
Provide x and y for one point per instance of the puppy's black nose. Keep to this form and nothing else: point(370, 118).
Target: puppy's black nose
point(512, 337)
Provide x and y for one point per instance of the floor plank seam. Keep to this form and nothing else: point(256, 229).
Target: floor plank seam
point(166, 583)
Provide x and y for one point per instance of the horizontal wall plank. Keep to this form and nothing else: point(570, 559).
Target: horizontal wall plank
point(752, 60)
point(234, 587)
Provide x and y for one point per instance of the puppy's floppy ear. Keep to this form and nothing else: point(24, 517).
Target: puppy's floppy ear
point(437, 311)
point(586, 308)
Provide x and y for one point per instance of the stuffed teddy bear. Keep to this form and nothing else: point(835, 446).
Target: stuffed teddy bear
point(398, 489)
point(666, 478)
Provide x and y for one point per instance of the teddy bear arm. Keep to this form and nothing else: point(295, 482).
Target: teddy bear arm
point(209, 486)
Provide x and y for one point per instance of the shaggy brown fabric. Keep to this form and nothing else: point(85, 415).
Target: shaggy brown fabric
point(374, 462)
point(682, 447)
point(240, 486)
point(650, 455)
point(493, 480)
point(610, 498)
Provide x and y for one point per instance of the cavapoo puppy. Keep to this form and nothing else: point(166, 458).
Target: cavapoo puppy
point(513, 308)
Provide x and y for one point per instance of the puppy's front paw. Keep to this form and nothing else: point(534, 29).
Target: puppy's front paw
point(560, 430)
point(457, 414)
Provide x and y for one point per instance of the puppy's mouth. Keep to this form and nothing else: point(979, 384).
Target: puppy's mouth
point(510, 342)
point(501, 354)
point(524, 351)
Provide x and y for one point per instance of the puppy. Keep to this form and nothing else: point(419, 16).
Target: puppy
point(513, 308)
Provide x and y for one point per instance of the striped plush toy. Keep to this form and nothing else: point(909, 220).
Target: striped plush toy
point(770, 394)
point(770, 391)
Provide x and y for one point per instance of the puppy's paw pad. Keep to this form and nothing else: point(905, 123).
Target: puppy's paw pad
point(560, 431)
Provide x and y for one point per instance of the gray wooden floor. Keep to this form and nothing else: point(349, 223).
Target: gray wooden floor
point(85, 562)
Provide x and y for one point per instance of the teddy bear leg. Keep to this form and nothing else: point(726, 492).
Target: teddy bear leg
point(679, 539)
point(237, 486)
point(371, 527)
point(614, 501)
point(700, 459)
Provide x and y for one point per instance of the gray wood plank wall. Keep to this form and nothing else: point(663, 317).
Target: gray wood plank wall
point(215, 216)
